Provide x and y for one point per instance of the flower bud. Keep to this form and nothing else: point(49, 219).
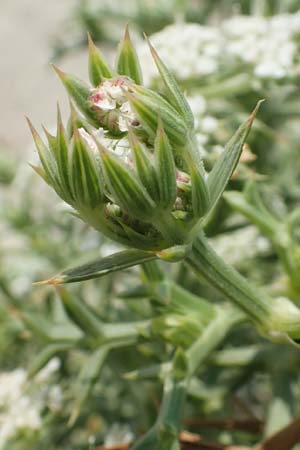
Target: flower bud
point(111, 107)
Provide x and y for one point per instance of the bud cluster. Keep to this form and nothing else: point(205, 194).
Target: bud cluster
point(128, 162)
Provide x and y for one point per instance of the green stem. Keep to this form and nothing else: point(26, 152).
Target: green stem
point(164, 435)
point(214, 333)
point(170, 413)
point(272, 318)
point(123, 334)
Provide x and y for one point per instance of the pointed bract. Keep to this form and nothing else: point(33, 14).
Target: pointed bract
point(148, 106)
point(80, 92)
point(127, 190)
point(98, 68)
point(46, 158)
point(86, 184)
point(200, 193)
point(62, 157)
point(144, 167)
point(174, 93)
point(166, 170)
point(225, 166)
point(127, 61)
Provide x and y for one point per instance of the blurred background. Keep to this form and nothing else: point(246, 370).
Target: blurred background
point(28, 84)
point(226, 55)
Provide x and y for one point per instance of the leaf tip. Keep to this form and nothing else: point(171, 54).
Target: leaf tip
point(91, 44)
point(62, 75)
point(255, 111)
point(59, 279)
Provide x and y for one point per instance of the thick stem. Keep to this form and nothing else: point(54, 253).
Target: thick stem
point(272, 317)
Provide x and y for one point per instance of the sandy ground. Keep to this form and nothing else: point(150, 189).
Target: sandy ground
point(28, 85)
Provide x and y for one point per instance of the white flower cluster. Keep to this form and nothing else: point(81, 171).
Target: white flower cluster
point(268, 47)
point(206, 126)
point(109, 96)
point(189, 50)
point(271, 46)
point(21, 405)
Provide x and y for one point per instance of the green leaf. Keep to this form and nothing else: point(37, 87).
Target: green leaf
point(102, 266)
point(76, 121)
point(52, 144)
point(85, 176)
point(45, 355)
point(80, 92)
point(174, 94)
point(125, 187)
point(50, 330)
point(149, 106)
point(200, 193)
point(47, 159)
point(225, 166)
point(144, 166)
point(127, 60)
point(81, 314)
point(87, 378)
point(62, 158)
point(98, 68)
point(262, 219)
point(166, 170)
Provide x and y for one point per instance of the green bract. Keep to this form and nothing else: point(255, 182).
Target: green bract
point(129, 164)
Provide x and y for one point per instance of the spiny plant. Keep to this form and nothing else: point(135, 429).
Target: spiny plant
point(129, 165)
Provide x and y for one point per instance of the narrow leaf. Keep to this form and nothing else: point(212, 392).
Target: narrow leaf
point(80, 92)
point(81, 314)
point(175, 95)
point(87, 378)
point(45, 355)
point(62, 157)
point(100, 267)
point(225, 166)
point(50, 331)
point(46, 158)
point(263, 220)
point(51, 141)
